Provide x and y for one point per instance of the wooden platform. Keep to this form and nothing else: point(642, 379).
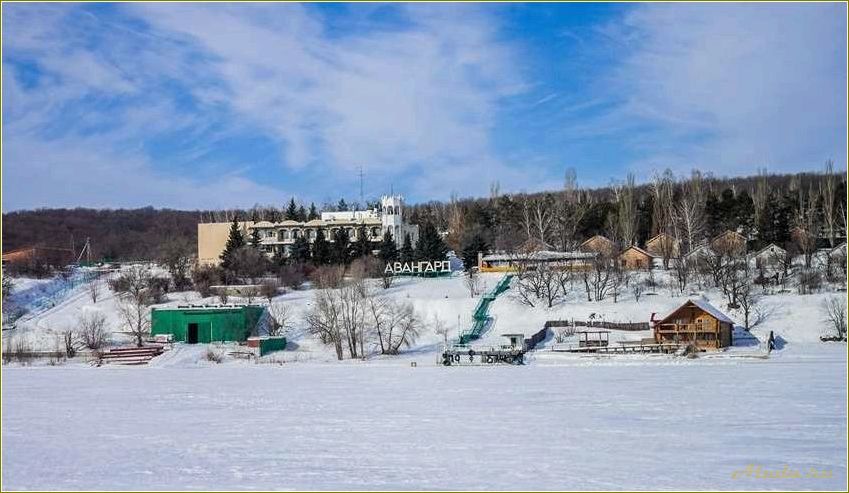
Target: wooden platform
point(622, 348)
point(130, 355)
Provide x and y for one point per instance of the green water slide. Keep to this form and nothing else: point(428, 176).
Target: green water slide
point(481, 316)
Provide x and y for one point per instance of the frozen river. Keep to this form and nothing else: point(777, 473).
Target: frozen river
point(669, 425)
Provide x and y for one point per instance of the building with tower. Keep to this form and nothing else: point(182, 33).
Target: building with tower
point(280, 236)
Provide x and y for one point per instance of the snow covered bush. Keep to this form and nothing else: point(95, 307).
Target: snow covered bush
point(91, 328)
point(835, 314)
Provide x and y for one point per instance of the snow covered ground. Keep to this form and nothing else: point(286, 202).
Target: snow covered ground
point(302, 420)
point(687, 424)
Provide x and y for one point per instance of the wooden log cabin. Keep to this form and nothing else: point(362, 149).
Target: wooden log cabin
point(695, 322)
point(635, 258)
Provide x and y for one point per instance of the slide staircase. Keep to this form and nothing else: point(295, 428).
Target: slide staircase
point(480, 317)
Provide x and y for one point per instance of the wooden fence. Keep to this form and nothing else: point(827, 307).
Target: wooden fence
point(599, 324)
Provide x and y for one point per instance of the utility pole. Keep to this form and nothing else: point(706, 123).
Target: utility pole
point(362, 200)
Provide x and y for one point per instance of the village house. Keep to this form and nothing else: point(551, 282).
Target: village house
point(635, 258)
point(695, 322)
point(663, 244)
point(769, 256)
point(729, 243)
point(598, 244)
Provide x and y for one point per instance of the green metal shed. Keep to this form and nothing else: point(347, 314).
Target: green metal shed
point(194, 324)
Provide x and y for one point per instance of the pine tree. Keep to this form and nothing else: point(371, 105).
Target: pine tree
point(388, 249)
point(342, 206)
point(291, 211)
point(300, 252)
point(256, 240)
point(302, 214)
point(407, 252)
point(313, 213)
point(362, 247)
point(341, 251)
point(279, 259)
point(473, 245)
point(235, 241)
point(430, 246)
point(320, 249)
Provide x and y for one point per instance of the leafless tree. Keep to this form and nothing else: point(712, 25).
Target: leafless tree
point(681, 272)
point(472, 282)
point(440, 328)
point(570, 207)
point(69, 338)
point(328, 276)
point(93, 289)
point(760, 194)
point(834, 309)
point(136, 315)
point(281, 318)
point(269, 289)
point(689, 214)
point(619, 281)
point(626, 206)
point(539, 283)
point(637, 288)
point(828, 187)
point(598, 278)
point(747, 299)
point(324, 320)
point(223, 293)
point(91, 329)
point(806, 225)
point(396, 325)
point(250, 293)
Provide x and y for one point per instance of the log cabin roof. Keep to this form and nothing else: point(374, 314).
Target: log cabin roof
point(705, 306)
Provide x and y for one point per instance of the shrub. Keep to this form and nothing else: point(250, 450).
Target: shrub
point(204, 277)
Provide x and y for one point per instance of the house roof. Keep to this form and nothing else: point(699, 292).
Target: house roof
point(658, 236)
point(594, 237)
point(764, 249)
point(638, 249)
point(706, 307)
point(729, 232)
point(701, 249)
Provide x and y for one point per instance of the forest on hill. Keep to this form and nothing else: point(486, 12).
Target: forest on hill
point(764, 207)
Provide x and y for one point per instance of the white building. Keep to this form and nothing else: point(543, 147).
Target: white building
point(390, 216)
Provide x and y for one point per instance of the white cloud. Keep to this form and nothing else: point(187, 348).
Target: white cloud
point(733, 87)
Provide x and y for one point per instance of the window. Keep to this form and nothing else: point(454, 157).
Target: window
point(284, 234)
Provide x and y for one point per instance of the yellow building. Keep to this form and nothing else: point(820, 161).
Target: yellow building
point(279, 236)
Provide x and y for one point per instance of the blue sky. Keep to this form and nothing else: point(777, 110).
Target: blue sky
point(217, 105)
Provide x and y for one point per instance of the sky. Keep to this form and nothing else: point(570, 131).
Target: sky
point(200, 106)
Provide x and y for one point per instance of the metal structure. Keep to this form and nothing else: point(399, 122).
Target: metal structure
point(207, 323)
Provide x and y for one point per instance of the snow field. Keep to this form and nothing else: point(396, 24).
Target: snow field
point(684, 425)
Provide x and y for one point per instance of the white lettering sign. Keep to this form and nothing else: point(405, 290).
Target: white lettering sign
point(421, 267)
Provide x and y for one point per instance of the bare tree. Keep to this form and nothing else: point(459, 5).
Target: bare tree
point(689, 214)
point(806, 224)
point(637, 288)
point(135, 300)
point(828, 187)
point(91, 328)
point(281, 318)
point(324, 320)
point(760, 194)
point(69, 338)
point(269, 289)
point(396, 325)
point(598, 278)
point(250, 293)
point(93, 289)
point(539, 283)
point(835, 313)
point(472, 282)
point(440, 328)
point(626, 205)
point(747, 299)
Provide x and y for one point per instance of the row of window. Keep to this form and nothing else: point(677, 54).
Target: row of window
point(293, 234)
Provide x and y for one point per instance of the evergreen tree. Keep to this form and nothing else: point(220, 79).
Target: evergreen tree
point(302, 214)
point(300, 252)
point(431, 245)
point(407, 252)
point(388, 249)
point(313, 213)
point(362, 247)
point(471, 247)
point(279, 258)
point(342, 206)
point(320, 249)
point(235, 241)
point(291, 211)
point(255, 240)
point(341, 251)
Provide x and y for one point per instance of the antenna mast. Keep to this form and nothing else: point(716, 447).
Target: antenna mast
point(362, 199)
